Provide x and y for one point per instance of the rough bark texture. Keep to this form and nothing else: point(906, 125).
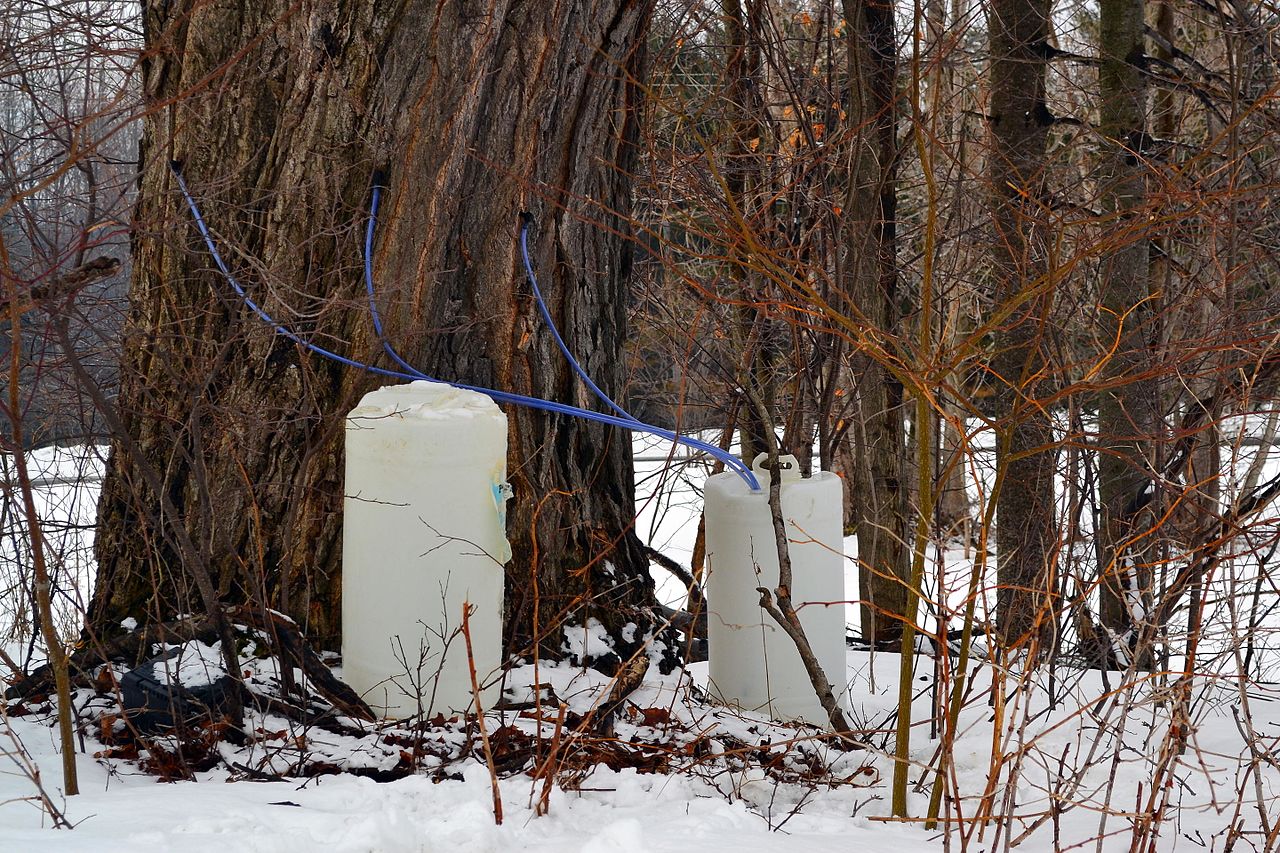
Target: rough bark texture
point(755, 335)
point(1128, 410)
point(1019, 119)
point(281, 113)
point(876, 492)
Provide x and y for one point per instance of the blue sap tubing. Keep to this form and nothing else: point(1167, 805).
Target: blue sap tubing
point(408, 372)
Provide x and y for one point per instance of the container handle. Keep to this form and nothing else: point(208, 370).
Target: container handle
point(788, 466)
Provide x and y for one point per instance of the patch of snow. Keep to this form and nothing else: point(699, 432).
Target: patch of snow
point(587, 641)
point(194, 665)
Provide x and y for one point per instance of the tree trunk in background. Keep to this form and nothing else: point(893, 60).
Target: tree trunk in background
point(1019, 119)
point(281, 113)
point(876, 491)
point(1128, 410)
point(949, 154)
point(955, 510)
point(757, 337)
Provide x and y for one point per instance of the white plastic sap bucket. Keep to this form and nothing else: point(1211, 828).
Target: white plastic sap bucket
point(424, 530)
point(753, 662)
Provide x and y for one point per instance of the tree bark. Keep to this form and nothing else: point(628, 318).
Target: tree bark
point(1019, 120)
point(756, 334)
point(955, 510)
point(1128, 408)
point(281, 113)
point(876, 491)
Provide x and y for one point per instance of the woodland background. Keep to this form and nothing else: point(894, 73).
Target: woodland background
point(1008, 267)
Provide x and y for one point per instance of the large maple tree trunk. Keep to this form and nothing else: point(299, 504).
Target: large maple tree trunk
point(281, 113)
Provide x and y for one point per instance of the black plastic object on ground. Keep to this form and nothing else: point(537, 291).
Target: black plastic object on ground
point(154, 700)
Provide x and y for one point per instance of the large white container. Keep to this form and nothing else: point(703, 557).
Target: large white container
point(424, 531)
point(753, 662)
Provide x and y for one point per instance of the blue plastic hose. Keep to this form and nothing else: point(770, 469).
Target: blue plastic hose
point(526, 219)
point(410, 373)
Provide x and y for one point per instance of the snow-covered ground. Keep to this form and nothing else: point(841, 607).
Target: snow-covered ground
point(622, 813)
point(718, 801)
point(1058, 760)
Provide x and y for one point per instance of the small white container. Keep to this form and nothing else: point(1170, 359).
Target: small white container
point(753, 662)
point(424, 531)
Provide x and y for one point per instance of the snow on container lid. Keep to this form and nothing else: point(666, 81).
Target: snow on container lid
point(427, 400)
